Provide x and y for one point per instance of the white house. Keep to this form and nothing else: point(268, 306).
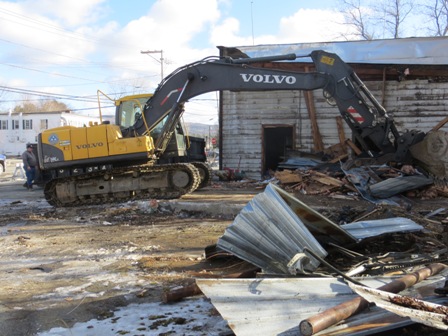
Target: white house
point(18, 129)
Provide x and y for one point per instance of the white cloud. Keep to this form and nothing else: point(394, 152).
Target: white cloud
point(311, 25)
point(35, 37)
point(45, 33)
point(227, 34)
point(171, 26)
point(70, 13)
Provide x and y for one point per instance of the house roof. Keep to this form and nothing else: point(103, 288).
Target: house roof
point(425, 57)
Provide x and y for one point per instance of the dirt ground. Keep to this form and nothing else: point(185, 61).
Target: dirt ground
point(65, 265)
point(60, 266)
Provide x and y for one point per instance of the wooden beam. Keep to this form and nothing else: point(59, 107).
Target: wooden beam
point(353, 146)
point(317, 138)
point(440, 124)
point(341, 133)
point(309, 101)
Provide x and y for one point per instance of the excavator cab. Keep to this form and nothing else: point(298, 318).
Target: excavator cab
point(180, 148)
point(129, 109)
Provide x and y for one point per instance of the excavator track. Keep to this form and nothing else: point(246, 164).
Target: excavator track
point(205, 172)
point(122, 184)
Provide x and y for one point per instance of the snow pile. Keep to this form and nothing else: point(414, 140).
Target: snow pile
point(191, 317)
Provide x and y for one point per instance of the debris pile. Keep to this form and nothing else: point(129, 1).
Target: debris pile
point(283, 239)
point(351, 180)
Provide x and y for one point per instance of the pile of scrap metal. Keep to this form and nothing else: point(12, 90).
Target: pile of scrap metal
point(351, 179)
point(313, 271)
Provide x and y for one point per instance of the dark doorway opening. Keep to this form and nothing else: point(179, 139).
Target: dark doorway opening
point(277, 140)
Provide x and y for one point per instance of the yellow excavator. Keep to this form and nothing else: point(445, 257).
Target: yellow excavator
point(181, 148)
point(105, 162)
point(100, 147)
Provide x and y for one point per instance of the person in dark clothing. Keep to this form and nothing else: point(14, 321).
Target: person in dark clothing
point(29, 164)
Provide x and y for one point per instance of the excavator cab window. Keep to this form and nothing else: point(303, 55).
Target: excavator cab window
point(158, 128)
point(129, 111)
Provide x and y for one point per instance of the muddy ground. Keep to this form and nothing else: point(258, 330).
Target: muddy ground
point(59, 266)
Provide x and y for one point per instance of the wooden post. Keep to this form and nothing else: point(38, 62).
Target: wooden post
point(341, 132)
point(440, 124)
point(309, 101)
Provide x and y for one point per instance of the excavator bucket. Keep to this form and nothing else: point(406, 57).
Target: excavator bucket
point(432, 154)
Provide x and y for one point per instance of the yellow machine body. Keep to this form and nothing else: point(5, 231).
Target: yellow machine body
point(97, 144)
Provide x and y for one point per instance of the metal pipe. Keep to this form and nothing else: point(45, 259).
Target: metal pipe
point(287, 57)
point(343, 311)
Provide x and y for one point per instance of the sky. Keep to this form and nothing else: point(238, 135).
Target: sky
point(70, 49)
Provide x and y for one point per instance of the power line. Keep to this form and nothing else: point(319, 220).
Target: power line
point(50, 73)
point(42, 23)
point(46, 94)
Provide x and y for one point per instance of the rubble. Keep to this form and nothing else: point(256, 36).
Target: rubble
point(285, 238)
point(418, 238)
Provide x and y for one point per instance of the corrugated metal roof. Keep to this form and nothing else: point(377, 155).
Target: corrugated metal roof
point(277, 306)
point(274, 227)
point(417, 50)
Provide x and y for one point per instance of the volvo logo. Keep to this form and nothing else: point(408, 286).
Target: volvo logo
point(268, 79)
point(91, 145)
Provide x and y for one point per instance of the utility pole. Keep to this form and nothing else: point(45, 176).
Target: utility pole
point(148, 52)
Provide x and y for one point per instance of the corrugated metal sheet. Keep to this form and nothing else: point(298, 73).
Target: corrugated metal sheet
point(273, 229)
point(268, 234)
point(277, 306)
point(418, 50)
point(371, 228)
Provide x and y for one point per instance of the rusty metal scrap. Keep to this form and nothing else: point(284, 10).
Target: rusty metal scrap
point(432, 313)
point(343, 311)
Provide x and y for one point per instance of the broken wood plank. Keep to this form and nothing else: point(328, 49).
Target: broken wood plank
point(325, 179)
point(354, 148)
point(288, 177)
point(335, 150)
point(328, 180)
point(339, 158)
point(178, 293)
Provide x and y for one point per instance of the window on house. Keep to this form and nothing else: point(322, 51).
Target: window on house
point(44, 124)
point(15, 124)
point(28, 124)
point(4, 124)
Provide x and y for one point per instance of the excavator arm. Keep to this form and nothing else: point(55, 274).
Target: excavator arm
point(372, 127)
point(215, 74)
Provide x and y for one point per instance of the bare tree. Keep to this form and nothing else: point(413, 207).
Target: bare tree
point(356, 16)
point(45, 106)
point(393, 14)
point(437, 12)
point(53, 106)
point(379, 18)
